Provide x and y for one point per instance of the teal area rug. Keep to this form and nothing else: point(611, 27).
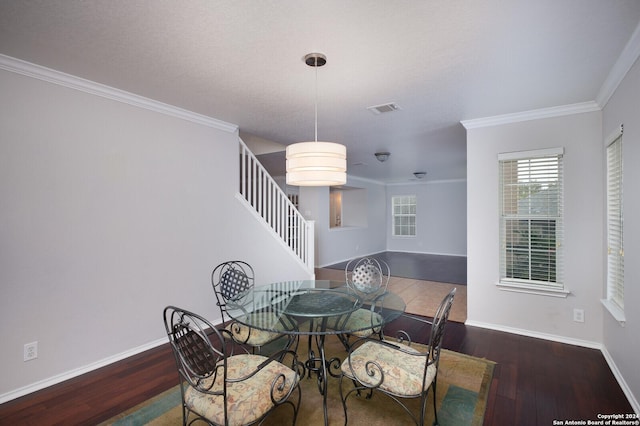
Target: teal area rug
point(152, 409)
point(462, 393)
point(457, 407)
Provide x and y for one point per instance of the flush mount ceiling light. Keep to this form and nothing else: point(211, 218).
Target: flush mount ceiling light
point(420, 175)
point(384, 108)
point(316, 163)
point(382, 156)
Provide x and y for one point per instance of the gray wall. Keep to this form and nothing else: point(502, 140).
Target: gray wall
point(338, 244)
point(441, 222)
point(580, 135)
point(109, 213)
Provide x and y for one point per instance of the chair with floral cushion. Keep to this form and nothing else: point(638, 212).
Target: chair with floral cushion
point(220, 381)
point(231, 281)
point(368, 278)
point(396, 368)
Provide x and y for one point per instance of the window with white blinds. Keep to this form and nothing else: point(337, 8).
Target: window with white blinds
point(531, 219)
point(615, 245)
point(404, 215)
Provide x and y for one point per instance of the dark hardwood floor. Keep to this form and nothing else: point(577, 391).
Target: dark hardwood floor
point(421, 266)
point(534, 383)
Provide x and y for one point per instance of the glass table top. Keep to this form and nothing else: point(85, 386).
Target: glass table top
point(270, 306)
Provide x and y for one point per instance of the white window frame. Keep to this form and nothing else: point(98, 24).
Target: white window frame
point(535, 168)
point(614, 301)
point(409, 206)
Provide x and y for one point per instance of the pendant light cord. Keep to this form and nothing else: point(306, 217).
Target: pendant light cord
point(316, 110)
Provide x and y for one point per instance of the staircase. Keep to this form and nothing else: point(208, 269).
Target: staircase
point(263, 195)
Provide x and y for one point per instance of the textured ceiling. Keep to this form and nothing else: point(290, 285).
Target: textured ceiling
point(241, 61)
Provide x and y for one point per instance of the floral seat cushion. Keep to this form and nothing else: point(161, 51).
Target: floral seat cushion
point(402, 372)
point(363, 321)
point(253, 336)
point(247, 400)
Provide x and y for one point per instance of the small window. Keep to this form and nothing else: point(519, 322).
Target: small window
point(531, 219)
point(404, 215)
point(615, 245)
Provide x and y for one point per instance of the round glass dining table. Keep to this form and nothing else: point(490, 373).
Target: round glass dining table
point(315, 308)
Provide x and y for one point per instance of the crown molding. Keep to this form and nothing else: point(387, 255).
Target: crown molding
point(362, 179)
point(625, 61)
point(426, 182)
point(536, 114)
point(28, 69)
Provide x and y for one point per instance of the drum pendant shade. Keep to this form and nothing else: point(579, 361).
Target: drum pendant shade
point(316, 163)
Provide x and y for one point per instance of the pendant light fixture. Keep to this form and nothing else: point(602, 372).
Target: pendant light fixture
point(316, 163)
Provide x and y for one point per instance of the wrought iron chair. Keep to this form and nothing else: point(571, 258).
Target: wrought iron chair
point(368, 278)
point(222, 387)
point(231, 281)
point(397, 369)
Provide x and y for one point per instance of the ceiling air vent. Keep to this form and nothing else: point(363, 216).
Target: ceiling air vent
point(380, 109)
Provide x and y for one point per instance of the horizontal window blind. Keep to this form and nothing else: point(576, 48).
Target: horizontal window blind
point(531, 213)
point(615, 250)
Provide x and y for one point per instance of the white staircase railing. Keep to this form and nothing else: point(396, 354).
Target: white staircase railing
point(271, 203)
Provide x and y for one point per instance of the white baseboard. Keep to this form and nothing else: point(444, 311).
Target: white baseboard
point(346, 260)
point(537, 335)
point(395, 251)
point(623, 384)
point(78, 371)
point(576, 342)
point(42, 384)
point(431, 253)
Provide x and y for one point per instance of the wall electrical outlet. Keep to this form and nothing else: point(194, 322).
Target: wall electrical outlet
point(30, 351)
point(578, 315)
